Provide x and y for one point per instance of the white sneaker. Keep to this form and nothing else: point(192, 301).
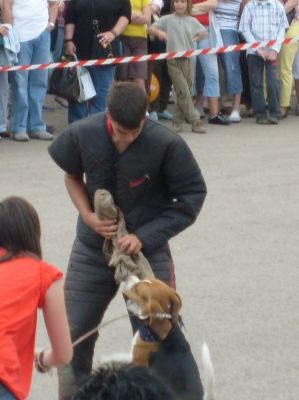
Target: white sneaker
point(20, 137)
point(235, 116)
point(41, 135)
point(153, 116)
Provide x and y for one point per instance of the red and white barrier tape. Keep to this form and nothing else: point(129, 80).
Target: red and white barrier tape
point(152, 57)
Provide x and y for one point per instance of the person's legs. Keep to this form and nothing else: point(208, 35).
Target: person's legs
point(20, 81)
point(256, 68)
point(286, 58)
point(232, 72)
point(37, 85)
point(102, 78)
point(89, 288)
point(272, 82)
point(3, 101)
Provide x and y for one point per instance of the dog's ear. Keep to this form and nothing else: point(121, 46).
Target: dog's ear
point(176, 304)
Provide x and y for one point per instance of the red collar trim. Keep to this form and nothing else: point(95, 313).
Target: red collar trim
point(109, 126)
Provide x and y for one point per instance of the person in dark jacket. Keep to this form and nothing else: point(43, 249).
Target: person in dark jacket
point(155, 181)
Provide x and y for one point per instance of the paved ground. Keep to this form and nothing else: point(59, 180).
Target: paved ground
point(236, 268)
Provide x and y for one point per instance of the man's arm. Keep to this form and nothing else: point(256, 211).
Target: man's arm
point(7, 11)
point(204, 7)
point(187, 191)
point(53, 12)
point(78, 194)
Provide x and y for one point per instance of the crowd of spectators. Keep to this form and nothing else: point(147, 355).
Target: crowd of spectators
point(258, 82)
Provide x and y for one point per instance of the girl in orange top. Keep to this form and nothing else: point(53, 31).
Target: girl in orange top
point(26, 284)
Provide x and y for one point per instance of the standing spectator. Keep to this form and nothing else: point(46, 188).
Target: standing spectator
point(3, 90)
point(264, 20)
point(134, 40)
point(32, 20)
point(27, 284)
point(227, 15)
point(209, 65)
point(155, 181)
point(113, 17)
point(158, 108)
point(286, 59)
point(180, 30)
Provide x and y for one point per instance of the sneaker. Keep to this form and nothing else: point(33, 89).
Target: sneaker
point(218, 119)
point(4, 134)
point(165, 115)
point(177, 126)
point(197, 127)
point(235, 116)
point(153, 116)
point(262, 121)
point(41, 135)
point(21, 137)
point(273, 120)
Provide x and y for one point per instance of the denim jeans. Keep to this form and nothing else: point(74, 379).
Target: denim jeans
point(256, 66)
point(3, 101)
point(102, 78)
point(5, 394)
point(231, 63)
point(29, 88)
point(209, 66)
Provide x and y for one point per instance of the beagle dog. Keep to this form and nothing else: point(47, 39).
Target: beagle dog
point(160, 344)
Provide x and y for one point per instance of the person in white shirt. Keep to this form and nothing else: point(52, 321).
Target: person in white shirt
point(32, 20)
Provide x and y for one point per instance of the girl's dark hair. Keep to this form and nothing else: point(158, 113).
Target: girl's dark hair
point(127, 104)
point(19, 228)
point(189, 6)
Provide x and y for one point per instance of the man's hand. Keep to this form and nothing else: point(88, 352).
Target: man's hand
point(3, 30)
point(130, 244)
point(70, 48)
point(162, 36)
point(272, 55)
point(262, 53)
point(106, 228)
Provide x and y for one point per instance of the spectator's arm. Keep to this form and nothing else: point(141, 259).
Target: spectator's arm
point(53, 12)
point(7, 11)
point(143, 18)
point(204, 7)
point(281, 31)
point(120, 25)
point(242, 5)
point(289, 5)
point(156, 6)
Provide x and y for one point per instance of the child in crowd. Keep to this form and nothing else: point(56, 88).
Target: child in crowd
point(134, 40)
point(180, 30)
point(27, 283)
point(264, 20)
point(3, 88)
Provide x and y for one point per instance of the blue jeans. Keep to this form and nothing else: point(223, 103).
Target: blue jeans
point(29, 88)
point(3, 100)
point(256, 66)
point(231, 63)
point(5, 394)
point(102, 78)
point(209, 66)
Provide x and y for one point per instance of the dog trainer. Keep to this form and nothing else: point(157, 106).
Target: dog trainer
point(155, 181)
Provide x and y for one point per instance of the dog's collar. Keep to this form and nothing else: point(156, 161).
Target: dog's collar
point(147, 335)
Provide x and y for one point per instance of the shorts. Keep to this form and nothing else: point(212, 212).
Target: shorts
point(133, 46)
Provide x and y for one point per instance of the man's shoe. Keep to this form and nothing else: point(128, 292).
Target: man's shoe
point(197, 127)
point(262, 121)
point(273, 120)
point(153, 116)
point(218, 119)
point(41, 135)
point(165, 115)
point(177, 126)
point(20, 137)
point(235, 116)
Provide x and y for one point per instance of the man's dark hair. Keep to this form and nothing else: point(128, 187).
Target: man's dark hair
point(124, 382)
point(19, 228)
point(127, 104)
